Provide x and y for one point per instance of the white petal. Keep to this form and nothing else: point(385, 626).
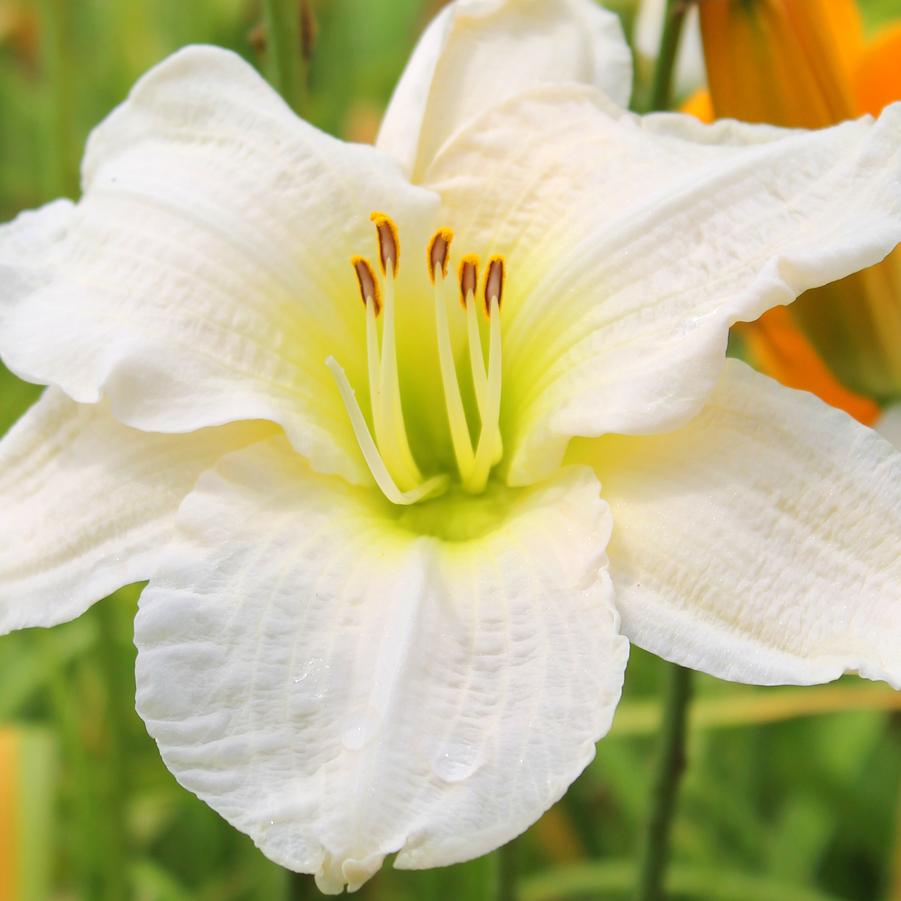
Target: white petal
point(205, 276)
point(342, 688)
point(633, 243)
point(477, 53)
point(27, 247)
point(85, 504)
point(760, 542)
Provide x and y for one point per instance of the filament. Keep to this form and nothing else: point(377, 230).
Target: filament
point(456, 415)
point(485, 450)
point(393, 439)
point(371, 453)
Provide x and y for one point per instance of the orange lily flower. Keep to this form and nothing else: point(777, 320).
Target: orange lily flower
point(806, 63)
point(9, 875)
point(27, 780)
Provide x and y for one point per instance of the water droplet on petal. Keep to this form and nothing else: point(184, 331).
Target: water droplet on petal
point(310, 686)
point(356, 737)
point(457, 761)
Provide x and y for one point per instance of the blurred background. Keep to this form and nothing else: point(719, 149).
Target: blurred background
point(789, 793)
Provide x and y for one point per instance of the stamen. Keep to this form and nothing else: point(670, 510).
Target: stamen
point(469, 276)
point(488, 437)
point(393, 437)
point(389, 243)
point(369, 286)
point(476, 357)
point(439, 252)
point(494, 289)
point(469, 280)
point(372, 360)
point(494, 282)
point(456, 416)
point(480, 377)
point(384, 443)
point(370, 452)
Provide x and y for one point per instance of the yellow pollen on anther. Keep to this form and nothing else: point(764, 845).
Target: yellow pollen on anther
point(438, 254)
point(389, 242)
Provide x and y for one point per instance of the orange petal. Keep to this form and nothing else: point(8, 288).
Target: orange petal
point(9, 871)
point(877, 79)
point(780, 61)
point(699, 105)
point(778, 348)
point(843, 22)
point(855, 326)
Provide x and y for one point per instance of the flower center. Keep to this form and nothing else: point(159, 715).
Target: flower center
point(384, 441)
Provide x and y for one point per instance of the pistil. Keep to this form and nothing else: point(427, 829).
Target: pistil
point(371, 453)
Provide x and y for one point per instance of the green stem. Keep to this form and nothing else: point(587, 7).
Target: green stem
point(507, 859)
point(115, 678)
point(282, 19)
point(56, 55)
point(75, 759)
point(669, 768)
point(299, 887)
point(662, 86)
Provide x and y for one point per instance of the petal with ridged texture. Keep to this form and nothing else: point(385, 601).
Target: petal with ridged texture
point(477, 53)
point(205, 275)
point(634, 243)
point(88, 504)
point(760, 542)
point(341, 687)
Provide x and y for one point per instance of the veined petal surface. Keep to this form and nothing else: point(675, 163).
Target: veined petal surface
point(88, 504)
point(342, 688)
point(477, 53)
point(758, 543)
point(634, 243)
point(205, 275)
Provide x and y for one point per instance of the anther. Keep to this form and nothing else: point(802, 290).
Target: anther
point(439, 252)
point(389, 244)
point(494, 283)
point(369, 286)
point(469, 276)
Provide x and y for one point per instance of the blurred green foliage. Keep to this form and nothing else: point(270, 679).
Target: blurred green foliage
point(790, 794)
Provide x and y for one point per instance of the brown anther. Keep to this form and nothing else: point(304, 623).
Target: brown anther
point(369, 286)
point(439, 252)
point(469, 276)
point(389, 244)
point(494, 283)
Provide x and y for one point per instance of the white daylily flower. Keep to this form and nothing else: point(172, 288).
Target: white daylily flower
point(253, 386)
